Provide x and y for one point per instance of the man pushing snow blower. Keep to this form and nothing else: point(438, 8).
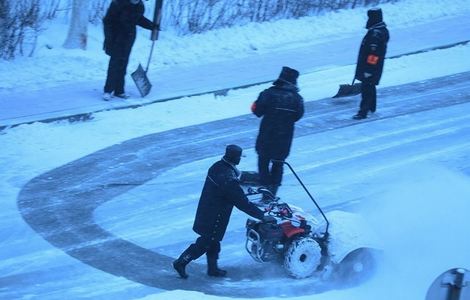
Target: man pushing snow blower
point(221, 192)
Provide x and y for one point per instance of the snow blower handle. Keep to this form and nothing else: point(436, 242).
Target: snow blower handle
point(308, 193)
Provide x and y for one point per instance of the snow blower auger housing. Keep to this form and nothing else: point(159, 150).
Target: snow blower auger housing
point(306, 245)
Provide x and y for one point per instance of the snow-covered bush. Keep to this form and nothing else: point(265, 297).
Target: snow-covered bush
point(97, 10)
point(20, 22)
point(196, 16)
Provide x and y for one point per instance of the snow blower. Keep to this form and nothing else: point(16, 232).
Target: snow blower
point(337, 245)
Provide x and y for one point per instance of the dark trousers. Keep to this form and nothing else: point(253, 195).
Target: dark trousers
point(116, 72)
point(203, 245)
point(369, 99)
point(270, 173)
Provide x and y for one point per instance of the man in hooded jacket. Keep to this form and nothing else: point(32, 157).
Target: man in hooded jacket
point(221, 192)
point(280, 106)
point(370, 61)
point(120, 24)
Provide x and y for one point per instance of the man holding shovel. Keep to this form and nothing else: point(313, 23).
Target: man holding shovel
point(370, 61)
point(120, 24)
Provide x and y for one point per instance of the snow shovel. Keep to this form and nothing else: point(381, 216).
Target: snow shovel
point(140, 75)
point(348, 89)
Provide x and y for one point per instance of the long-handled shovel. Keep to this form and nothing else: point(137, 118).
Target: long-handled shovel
point(348, 89)
point(140, 75)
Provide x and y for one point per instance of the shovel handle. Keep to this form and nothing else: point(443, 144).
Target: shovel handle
point(150, 56)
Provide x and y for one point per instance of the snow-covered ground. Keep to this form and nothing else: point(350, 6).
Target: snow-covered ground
point(409, 174)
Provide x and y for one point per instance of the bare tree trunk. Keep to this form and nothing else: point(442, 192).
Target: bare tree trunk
point(77, 35)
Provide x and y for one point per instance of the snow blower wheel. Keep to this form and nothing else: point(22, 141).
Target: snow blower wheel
point(302, 257)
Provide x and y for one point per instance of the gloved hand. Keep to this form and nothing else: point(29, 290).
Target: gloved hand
point(269, 219)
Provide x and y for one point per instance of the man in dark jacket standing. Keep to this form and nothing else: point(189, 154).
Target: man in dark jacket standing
point(120, 24)
point(370, 61)
point(280, 106)
point(221, 192)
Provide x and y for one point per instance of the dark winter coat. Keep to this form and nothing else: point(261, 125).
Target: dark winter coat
point(221, 192)
point(120, 26)
point(372, 54)
point(280, 106)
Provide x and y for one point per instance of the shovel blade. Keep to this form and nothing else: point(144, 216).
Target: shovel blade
point(346, 90)
point(141, 81)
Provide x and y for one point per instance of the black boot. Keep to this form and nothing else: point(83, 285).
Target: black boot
point(359, 116)
point(213, 269)
point(180, 264)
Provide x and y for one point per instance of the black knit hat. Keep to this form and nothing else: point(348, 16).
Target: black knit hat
point(375, 16)
point(288, 75)
point(233, 154)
